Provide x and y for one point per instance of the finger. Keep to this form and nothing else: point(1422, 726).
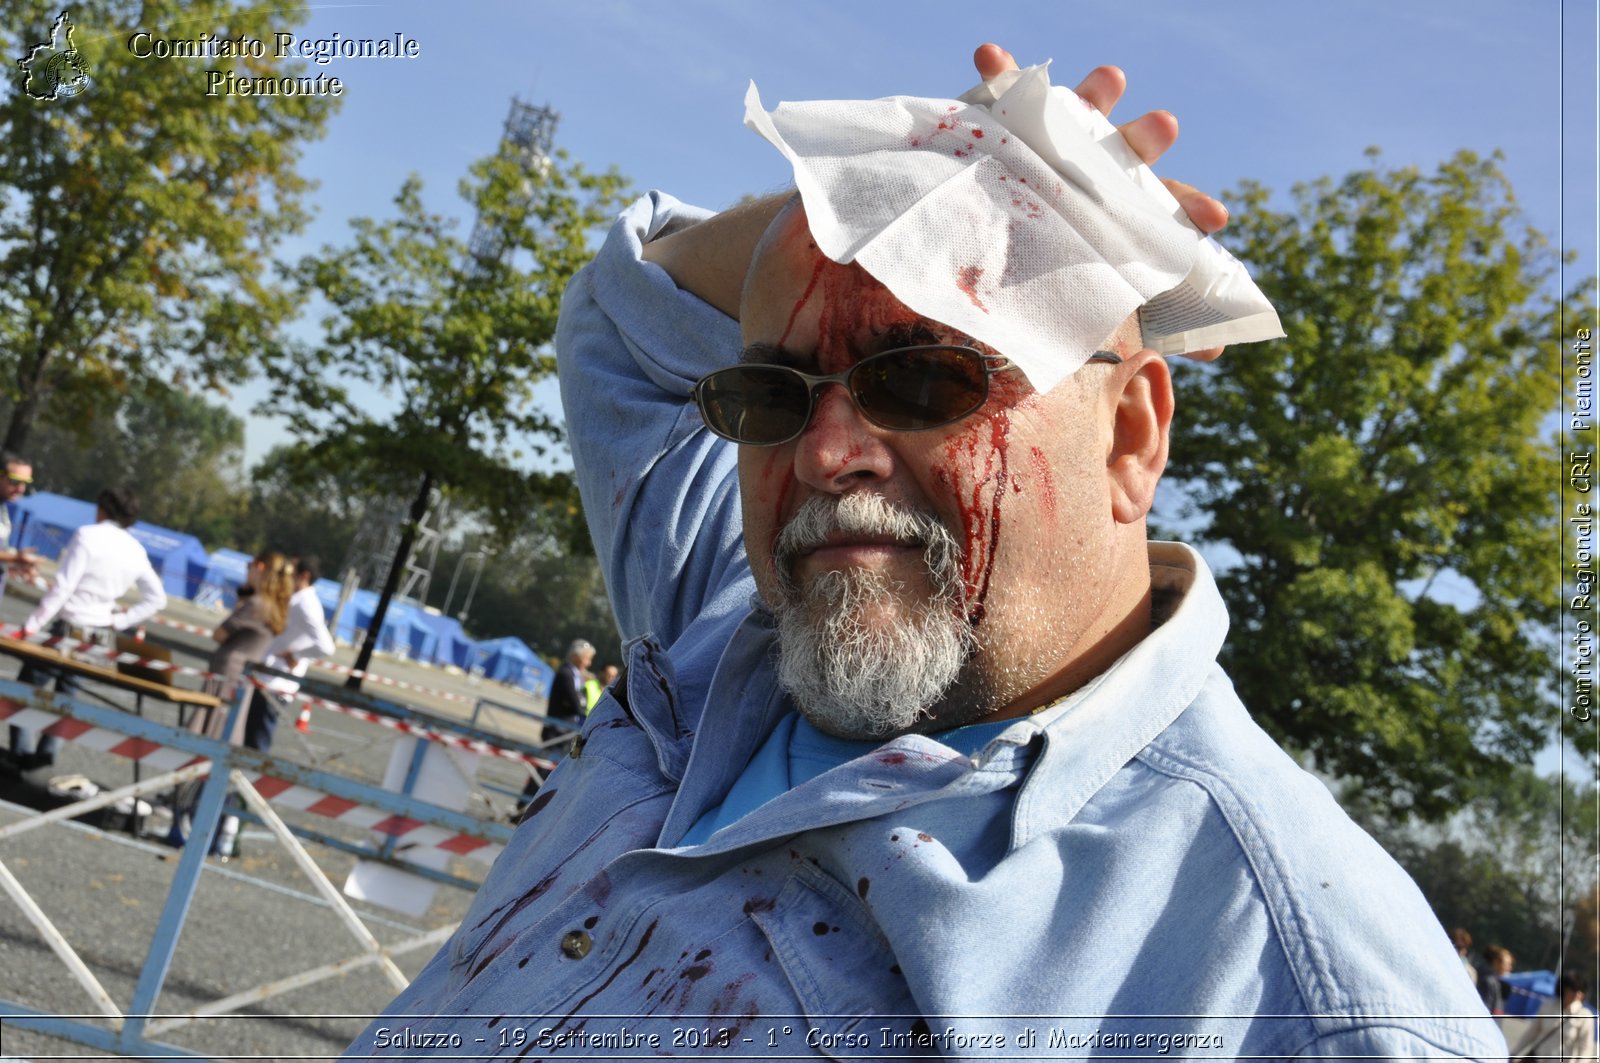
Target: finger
point(1151, 135)
point(1103, 88)
point(992, 61)
point(1208, 214)
point(1209, 355)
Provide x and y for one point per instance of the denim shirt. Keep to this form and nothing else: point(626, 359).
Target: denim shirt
point(1137, 870)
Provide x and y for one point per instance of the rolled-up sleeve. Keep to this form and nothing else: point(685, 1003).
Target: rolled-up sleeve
point(660, 492)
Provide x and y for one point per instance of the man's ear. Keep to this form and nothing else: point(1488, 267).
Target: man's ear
point(1140, 422)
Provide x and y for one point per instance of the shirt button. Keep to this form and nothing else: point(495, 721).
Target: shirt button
point(576, 944)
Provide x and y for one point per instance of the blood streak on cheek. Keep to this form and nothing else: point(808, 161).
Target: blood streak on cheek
point(980, 504)
point(777, 484)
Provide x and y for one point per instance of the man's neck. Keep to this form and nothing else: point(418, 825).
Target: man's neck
point(1127, 631)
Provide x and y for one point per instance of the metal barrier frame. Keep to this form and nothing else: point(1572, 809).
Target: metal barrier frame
point(224, 765)
point(559, 737)
point(539, 758)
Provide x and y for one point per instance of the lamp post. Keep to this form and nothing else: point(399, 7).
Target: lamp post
point(466, 607)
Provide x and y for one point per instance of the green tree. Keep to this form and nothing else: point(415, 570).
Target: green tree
point(427, 367)
point(183, 455)
point(138, 217)
point(302, 508)
point(537, 588)
point(1516, 868)
point(1385, 474)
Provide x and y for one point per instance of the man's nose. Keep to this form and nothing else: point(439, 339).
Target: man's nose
point(840, 448)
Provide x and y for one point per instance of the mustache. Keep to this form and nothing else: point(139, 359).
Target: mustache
point(823, 517)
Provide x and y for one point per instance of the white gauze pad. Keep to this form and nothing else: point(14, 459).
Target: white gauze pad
point(1017, 215)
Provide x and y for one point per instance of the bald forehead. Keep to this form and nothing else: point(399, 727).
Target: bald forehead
point(787, 256)
point(785, 247)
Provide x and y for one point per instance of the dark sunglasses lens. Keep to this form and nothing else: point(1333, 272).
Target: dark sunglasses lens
point(920, 387)
point(757, 404)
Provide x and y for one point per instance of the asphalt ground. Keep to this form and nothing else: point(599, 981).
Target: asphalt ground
point(255, 918)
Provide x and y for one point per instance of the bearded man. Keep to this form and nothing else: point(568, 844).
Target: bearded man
point(921, 747)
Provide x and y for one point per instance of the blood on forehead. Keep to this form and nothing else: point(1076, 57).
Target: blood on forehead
point(843, 314)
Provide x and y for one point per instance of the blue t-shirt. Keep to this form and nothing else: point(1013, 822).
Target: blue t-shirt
point(796, 752)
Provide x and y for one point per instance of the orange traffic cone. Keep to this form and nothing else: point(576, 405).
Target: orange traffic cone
point(303, 724)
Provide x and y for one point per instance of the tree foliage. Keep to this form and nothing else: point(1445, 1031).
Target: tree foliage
point(182, 454)
point(537, 588)
point(427, 366)
point(1516, 869)
point(1386, 475)
point(301, 509)
point(429, 357)
point(137, 219)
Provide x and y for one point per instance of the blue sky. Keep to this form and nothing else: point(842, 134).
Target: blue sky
point(1279, 92)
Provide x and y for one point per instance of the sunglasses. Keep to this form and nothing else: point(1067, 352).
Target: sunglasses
point(907, 389)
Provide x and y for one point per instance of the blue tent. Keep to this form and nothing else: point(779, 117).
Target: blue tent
point(425, 637)
point(509, 660)
point(452, 645)
point(1528, 990)
point(328, 594)
point(405, 628)
point(357, 614)
point(44, 522)
point(170, 554)
point(395, 623)
point(412, 633)
point(219, 583)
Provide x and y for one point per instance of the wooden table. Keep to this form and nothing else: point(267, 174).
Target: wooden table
point(57, 661)
point(61, 664)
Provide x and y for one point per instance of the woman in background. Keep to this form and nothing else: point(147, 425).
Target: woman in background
point(244, 636)
point(241, 638)
point(1497, 963)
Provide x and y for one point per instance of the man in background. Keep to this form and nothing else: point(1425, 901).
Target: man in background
point(568, 701)
point(100, 562)
point(16, 483)
point(1564, 1027)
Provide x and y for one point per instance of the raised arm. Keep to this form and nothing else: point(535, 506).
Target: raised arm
point(659, 491)
point(711, 259)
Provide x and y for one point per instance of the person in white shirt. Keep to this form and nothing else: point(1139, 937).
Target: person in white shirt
point(100, 562)
point(305, 638)
point(1571, 1038)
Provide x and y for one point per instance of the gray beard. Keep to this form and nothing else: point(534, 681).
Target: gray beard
point(857, 680)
